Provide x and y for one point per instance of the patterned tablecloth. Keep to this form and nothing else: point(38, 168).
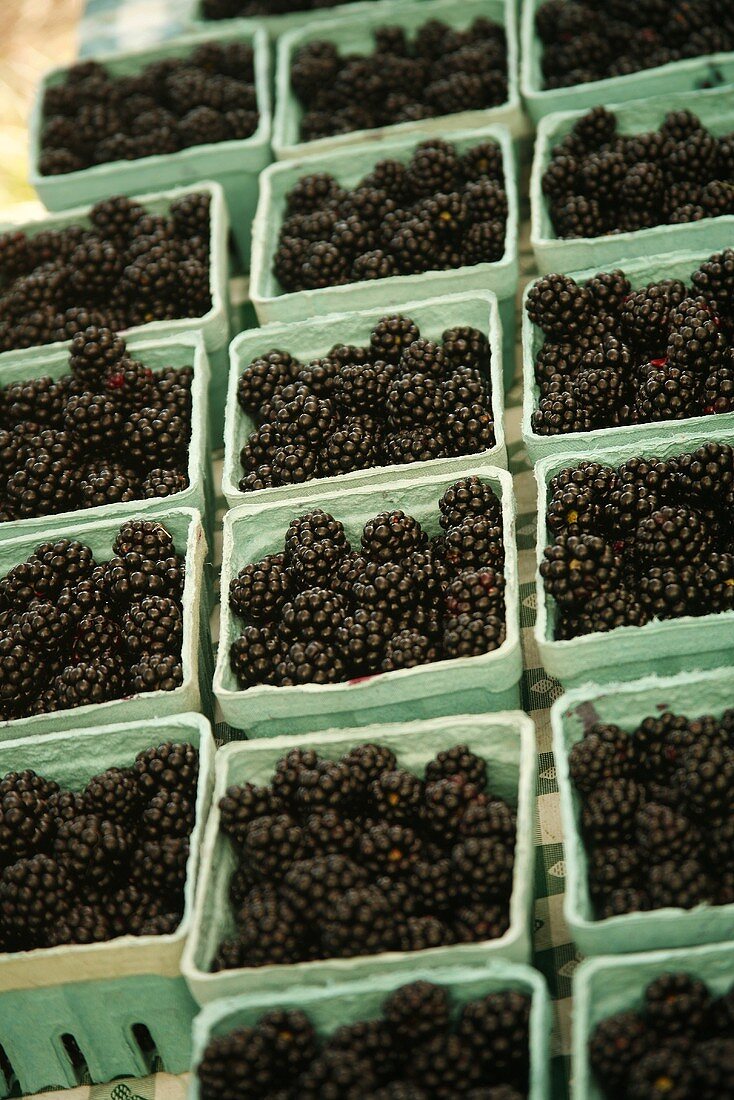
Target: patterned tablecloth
point(119, 24)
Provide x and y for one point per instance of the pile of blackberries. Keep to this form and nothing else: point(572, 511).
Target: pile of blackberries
point(109, 860)
point(75, 631)
point(678, 1044)
point(403, 398)
point(651, 539)
point(231, 9)
point(127, 267)
point(109, 431)
point(422, 1045)
point(441, 210)
point(657, 812)
point(586, 40)
point(93, 117)
point(442, 71)
point(355, 856)
point(599, 182)
point(615, 355)
point(322, 613)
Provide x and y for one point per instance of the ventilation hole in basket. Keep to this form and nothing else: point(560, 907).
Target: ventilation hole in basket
point(147, 1047)
point(7, 1072)
point(79, 1065)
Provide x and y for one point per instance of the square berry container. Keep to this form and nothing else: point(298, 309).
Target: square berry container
point(605, 986)
point(640, 271)
point(55, 1002)
point(277, 25)
point(349, 167)
point(235, 165)
point(354, 35)
point(214, 325)
point(311, 339)
point(184, 350)
point(626, 705)
point(461, 685)
point(355, 1001)
point(194, 693)
point(690, 75)
point(715, 108)
point(506, 741)
point(691, 643)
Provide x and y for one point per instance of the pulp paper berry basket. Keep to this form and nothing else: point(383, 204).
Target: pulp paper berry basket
point(349, 167)
point(102, 1009)
point(640, 272)
point(690, 75)
point(715, 108)
point(233, 164)
point(626, 705)
point(186, 350)
point(355, 36)
point(505, 741)
point(194, 693)
point(690, 643)
point(461, 685)
point(277, 25)
point(605, 986)
point(352, 1002)
point(213, 325)
point(311, 339)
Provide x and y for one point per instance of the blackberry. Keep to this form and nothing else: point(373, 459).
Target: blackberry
point(706, 778)
point(19, 669)
point(272, 844)
point(42, 625)
point(471, 636)
point(360, 923)
point(674, 536)
point(609, 290)
point(645, 314)
point(114, 795)
point(408, 648)
point(290, 1038)
point(714, 280)
point(42, 486)
point(447, 801)
point(417, 1011)
point(712, 1063)
point(312, 662)
point(604, 753)
point(373, 264)
point(34, 893)
point(240, 806)
point(329, 833)
point(457, 761)
point(717, 582)
point(496, 1029)
point(354, 446)
point(718, 388)
point(468, 497)
point(558, 305)
point(148, 538)
point(483, 867)
point(608, 813)
point(169, 813)
point(264, 377)
point(669, 592)
point(161, 864)
point(391, 336)
point(616, 1045)
point(313, 613)
point(660, 1073)
point(154, 436)
point(25, 814)
point(260, 588)
point(578, 566)
point(475, 593)
point(170, 766)
point(392, 536)
point(397, 796)
point(159, 482)
point(154, 625)
point(466, 347)
point(473, 544)
point(312, 885)
point(108, 484)
point(616, 867)
point(336, 1073)
point(367, 762)
point(256, 654)
point(444, 1065)
point(327, 784)
point(386, 586)
point(666, 835)
point(92, 848)
point(434, 166)
point(370, 1040)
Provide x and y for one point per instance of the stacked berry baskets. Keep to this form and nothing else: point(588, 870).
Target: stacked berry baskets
point(378, 895)
point(358, 625)
point(310, 401)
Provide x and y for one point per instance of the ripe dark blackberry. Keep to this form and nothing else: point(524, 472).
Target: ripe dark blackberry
point(25, 814)
point(397, 796)
point(264, 377)
point(42, 486)
point(330, 833)
point(160, 482)
point(417, 1011)
point(415, 445)
point(272, 843)
point(483, 867)
point(474, 543)
point(475, 593)
point(171, 766)
point(19, 669)
point(327, 784)
point(392, 536)
point(169, 813)
point(392, 335)
point(496, 1030)
point(674, 536)
point(466, 347)
point(360, 923)
point(385, 586)
point(669, 592)
point(676, 1004)
point(161, 864)
point(148, 538)
point(154, 625)
point(663, 834)
point(558, 305)
point(260, 588)
point(313, 614)
point(92, 848)
point(458, 760)
point(608, 813)
point(34, 893)
point(447, 801)
point(312, 885)
point(578, 566)
point(408, 648)
point(43, 625)
point(313, 662)
point(102, 483)
point(604, 753)
point(714, 280)
point(114, 795)
point(472, 635)
point(356, 445)
point(645, 314)
point(717, 395)
point(705, 778)
point(153, 436)
point(616, 1045)
point(470, 496)
point(367, 762)
point(256, 654)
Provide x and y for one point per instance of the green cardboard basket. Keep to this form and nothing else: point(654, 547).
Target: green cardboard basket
point(310, 339)
point(689, 75)
point(691, 643)
point(233, 164)
point(194, 693)
point(214, 325)
point(276, 25)
point(354, 35)
point(603, 987)
point(457, 686)
point(355, 1001)
point(715, 108)
point(186, 350)
point(111, 999)
point(349, 166)
point(674, 265)
point(505, 740)
point(626, 705)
